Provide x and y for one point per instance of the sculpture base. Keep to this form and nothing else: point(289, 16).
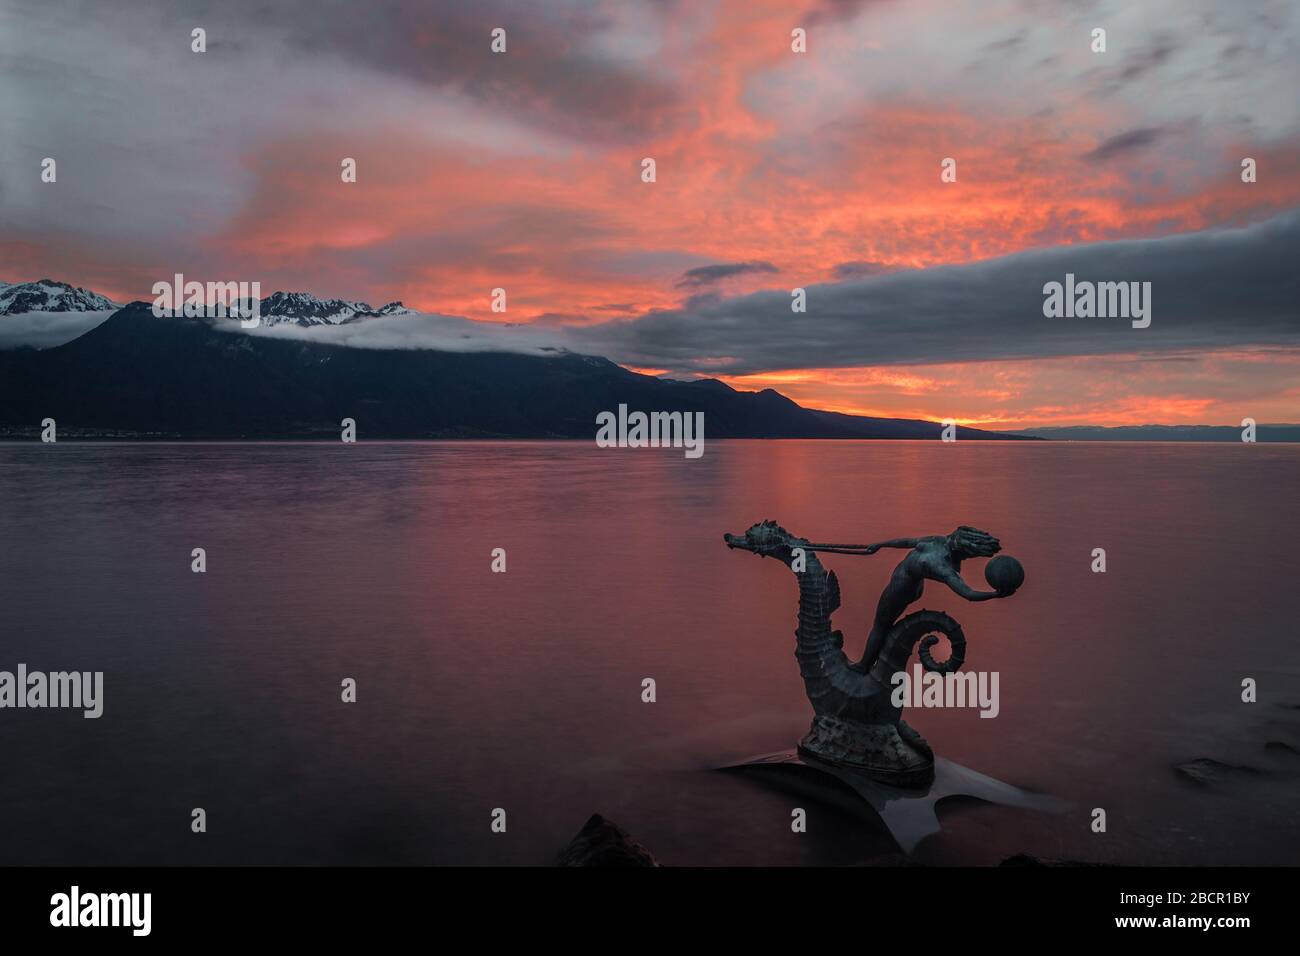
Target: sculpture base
point(893, 755)
point(907, 814)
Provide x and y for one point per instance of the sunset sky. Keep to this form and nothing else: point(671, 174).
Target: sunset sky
point(775, 170)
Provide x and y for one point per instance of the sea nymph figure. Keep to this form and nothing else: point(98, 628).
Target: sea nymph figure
point(855, 724)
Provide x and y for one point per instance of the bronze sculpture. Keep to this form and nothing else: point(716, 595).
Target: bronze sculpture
point(855, 725)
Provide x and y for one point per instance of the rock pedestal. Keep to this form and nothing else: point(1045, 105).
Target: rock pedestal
point(892, 754)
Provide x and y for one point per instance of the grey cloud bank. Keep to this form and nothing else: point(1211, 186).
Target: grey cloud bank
point(1214, 289)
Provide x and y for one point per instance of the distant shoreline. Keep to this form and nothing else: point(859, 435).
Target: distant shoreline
point(34, 438)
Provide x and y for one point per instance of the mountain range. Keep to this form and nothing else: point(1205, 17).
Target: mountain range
point(136, 375)
point(1229, 433)
point(278, 308)
point(302, 308)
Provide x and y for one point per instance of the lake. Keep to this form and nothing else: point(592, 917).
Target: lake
point(523, 690)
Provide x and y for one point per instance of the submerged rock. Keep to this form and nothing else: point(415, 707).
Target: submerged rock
point(603, 843)
point(1204, 771)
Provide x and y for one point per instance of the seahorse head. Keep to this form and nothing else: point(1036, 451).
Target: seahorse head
point(766, 539)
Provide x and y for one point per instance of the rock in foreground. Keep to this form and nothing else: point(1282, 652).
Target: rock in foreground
point(1026, 859)
point(602, 843)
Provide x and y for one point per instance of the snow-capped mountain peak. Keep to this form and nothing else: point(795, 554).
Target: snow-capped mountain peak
point(46, 295)
point(299, 308)
point(303, 308)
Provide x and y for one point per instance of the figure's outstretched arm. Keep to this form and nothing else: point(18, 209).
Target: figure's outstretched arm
point(955, 581)
point(907, 543)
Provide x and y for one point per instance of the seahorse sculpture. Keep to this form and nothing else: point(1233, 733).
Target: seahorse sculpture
point(855, 724)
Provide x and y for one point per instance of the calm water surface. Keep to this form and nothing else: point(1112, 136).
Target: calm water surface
point(523, 690)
